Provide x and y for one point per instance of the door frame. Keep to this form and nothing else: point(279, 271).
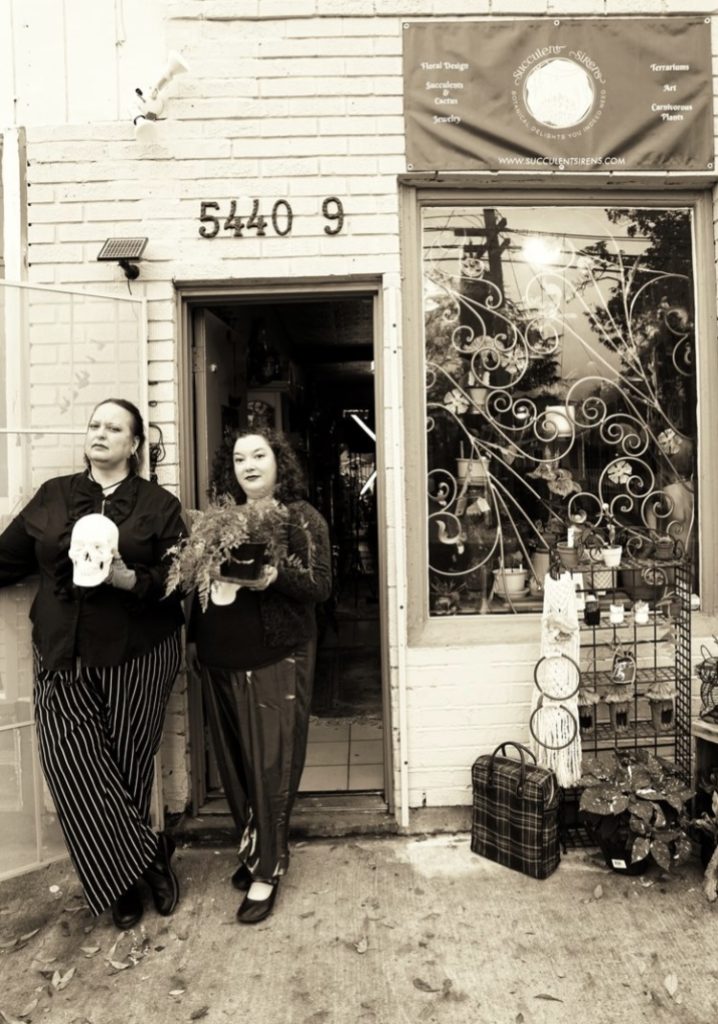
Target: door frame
point(192, 294)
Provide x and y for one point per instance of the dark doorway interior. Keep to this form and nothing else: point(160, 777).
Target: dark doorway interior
point(306, 367)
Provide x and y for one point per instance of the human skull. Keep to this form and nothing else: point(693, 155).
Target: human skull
point(93, 545)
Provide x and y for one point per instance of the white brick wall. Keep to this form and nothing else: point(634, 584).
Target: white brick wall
point(295, 99)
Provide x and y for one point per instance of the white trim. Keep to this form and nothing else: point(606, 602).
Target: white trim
point(13, 200)
point(394, 378)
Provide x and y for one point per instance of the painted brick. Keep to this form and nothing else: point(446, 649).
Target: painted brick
point(346, 26)
point(646, 7)
point(274, 109)
point(568, 8)
point(537, 8)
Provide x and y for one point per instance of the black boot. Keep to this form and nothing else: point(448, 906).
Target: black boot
point(127, 909)
point(161, 878)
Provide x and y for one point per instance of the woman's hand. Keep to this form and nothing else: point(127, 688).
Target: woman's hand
point(120, 576)
point(269, 575)
point(191, 659)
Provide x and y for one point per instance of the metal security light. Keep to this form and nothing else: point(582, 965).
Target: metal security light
point(126, 252)
point(150, 102)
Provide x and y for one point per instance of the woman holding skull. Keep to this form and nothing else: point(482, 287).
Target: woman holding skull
point(106, 646)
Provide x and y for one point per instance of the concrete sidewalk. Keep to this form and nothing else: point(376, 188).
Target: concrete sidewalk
point(392, 930)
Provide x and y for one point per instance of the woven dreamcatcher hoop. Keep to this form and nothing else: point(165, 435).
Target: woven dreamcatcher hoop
point(557, 679)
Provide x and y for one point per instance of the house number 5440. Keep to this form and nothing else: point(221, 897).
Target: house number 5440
point(280, 219)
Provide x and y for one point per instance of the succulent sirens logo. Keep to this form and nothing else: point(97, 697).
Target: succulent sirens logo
point(559, 92)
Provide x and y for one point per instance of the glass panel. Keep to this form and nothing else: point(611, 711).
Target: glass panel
point(60, 353)
point(561, 398)
point(20, 785)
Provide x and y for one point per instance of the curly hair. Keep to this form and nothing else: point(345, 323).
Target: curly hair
point(290, 479)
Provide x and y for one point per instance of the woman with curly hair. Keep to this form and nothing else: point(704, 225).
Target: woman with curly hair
point(256, 658)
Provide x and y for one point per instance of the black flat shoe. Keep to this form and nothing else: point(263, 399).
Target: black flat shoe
point(127, 909)
point(254, 911)
point(242, 878)
point(161, 878)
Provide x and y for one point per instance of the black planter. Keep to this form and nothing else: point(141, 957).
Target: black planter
point(245, 562)
point(586, 718)
point(615, 840)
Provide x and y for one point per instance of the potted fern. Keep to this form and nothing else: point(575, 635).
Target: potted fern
point(231, 543)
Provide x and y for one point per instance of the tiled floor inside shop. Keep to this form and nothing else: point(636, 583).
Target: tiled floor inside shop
point(343, 754)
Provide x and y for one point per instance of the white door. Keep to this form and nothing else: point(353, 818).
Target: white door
point(61, 352)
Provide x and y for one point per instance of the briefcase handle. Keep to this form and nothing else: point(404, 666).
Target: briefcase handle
point(522, 751)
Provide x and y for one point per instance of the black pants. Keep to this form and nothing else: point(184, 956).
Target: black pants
point(259, 721)
point(98, 731)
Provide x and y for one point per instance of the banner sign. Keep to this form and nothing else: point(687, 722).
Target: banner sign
point(574, 95)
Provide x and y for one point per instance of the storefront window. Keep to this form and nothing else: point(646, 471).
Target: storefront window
point(560, 397)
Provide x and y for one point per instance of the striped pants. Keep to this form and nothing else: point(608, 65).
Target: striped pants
point(259, 721)
point(98, 731)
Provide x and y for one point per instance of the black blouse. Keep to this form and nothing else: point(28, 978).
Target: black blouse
point(102, 625)
point(246, 633)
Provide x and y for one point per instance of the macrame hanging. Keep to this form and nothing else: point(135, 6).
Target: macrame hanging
point(557, 677)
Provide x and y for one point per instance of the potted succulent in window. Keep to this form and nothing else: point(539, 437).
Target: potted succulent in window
point(634, 804)
point(661, 696)
point(230, 543)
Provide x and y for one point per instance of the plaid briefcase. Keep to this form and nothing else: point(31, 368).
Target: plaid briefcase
point(515, 814)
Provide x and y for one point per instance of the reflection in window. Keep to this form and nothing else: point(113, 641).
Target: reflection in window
point(560, 396)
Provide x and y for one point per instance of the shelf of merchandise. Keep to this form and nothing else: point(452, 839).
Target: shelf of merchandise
point(660, 648)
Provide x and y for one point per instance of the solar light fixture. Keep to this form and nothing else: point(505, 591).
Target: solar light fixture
point(126, 252)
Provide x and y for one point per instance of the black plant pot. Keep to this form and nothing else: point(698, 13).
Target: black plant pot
point(245, 562)
point(615, 840)
point(586, 719)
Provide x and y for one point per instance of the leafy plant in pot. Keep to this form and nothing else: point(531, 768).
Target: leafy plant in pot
point(706, 826)
point(634, 805)
point(231, 542)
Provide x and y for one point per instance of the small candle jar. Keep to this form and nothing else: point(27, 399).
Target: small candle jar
point(592, 612)
point(616, 613)
point(640, 613)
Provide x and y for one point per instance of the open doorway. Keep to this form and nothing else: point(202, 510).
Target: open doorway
point(306, 367)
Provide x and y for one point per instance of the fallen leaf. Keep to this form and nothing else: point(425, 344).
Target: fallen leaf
point(361, 945)
point(56, 976)
point(90, 950)
point(9, 1019)
point(551, 999)
point(423, 986)
point(8, 945)
point(199, 1014)
point(177, 992)
point(65, 980)
point(28, 1009)
point(671, 984)
point(598, 892)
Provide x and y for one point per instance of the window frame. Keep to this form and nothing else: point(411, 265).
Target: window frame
point(464, 630)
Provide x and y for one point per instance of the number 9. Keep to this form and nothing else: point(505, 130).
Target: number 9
point(335, 213)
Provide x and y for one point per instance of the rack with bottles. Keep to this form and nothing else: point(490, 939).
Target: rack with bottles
point(636, 658)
